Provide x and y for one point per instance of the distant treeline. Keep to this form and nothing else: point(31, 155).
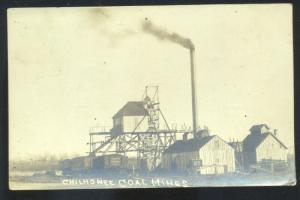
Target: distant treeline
point(51, 162)
point(39, 163)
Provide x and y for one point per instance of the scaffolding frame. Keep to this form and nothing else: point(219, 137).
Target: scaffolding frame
point(148, 145)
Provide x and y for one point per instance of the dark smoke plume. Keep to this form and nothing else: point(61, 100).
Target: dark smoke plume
point(165, 35)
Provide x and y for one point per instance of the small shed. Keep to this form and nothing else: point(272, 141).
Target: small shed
point(261, 145)
point(133, 116)
point(204, 155)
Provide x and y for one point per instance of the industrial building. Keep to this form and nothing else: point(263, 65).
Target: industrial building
point(129, 116)
point(204, 154)
point(140, 133)
point(200, 153)
point(263, 149)
point(142, 139)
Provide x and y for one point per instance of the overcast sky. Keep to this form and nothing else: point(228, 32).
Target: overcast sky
point(74, 68)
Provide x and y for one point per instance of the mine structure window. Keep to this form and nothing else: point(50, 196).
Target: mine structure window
point(196, 163)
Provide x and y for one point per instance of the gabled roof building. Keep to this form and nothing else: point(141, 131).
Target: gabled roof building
point(262, 144)
point(205, 154)
point(132, 108)
point(133, 116)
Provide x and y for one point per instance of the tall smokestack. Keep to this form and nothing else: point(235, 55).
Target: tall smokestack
point(163, 34)
point(194, 91)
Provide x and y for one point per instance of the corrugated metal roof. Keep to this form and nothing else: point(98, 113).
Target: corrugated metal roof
point(188, 145)
point(132, 108)
point(251, 142)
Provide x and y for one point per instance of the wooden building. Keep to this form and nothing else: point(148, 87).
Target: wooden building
point(77, 163)
point(203, 154)
point(117, 161)
point(133, 116)
point(262, 146)
point(238, 152)
point(110, 161)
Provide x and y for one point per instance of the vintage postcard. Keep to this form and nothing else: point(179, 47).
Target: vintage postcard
point(151, 96)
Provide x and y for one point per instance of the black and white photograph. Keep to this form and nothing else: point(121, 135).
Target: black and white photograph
point(151, 96)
